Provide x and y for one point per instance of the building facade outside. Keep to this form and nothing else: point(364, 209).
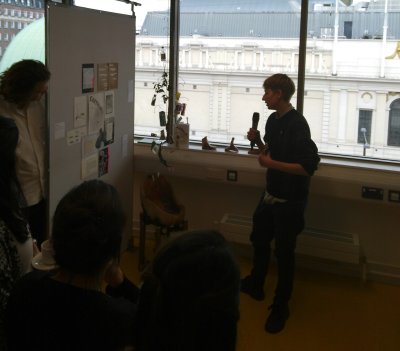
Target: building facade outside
point(352, 90)
point(16, 15)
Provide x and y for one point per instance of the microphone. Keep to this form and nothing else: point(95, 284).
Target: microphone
point(254, 125)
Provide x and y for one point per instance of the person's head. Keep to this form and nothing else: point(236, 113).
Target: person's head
point(87, 228)
point(278, 88)
point(191, 295)
point(24, 81)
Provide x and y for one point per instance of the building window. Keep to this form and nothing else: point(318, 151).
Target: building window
point(394, 124)
point(364, 126)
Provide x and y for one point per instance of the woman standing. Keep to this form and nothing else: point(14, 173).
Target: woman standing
point(22, 87)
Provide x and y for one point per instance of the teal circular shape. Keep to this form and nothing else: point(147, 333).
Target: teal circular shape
point(29, 43)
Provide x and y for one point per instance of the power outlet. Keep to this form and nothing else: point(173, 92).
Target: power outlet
point(368, 192)
point(231, 175)
point(394, 196)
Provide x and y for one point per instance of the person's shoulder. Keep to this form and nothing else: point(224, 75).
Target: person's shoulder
point(31, 280)
point(273, 117)
point(297, 118)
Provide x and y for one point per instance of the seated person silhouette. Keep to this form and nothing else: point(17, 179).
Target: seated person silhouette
point(190, 297)
point(67, 309)
point(16, 245)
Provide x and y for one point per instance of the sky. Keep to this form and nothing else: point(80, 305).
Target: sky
point(122, 7)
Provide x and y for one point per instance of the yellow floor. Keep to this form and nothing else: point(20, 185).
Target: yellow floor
point(328, 312)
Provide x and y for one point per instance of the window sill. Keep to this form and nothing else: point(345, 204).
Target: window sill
point(337, 176)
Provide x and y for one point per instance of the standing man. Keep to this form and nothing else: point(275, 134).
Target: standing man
point(22, 87)
point(291, 158)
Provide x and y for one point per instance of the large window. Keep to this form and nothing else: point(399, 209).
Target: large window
point(15, 35)
point(394, 124)
point(227, 48)
point(364, 126)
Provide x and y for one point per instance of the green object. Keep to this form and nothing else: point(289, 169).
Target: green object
point(157, 150)
point(27, 44)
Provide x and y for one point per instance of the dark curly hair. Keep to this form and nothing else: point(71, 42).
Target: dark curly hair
point(19, 81)
point(87, 227)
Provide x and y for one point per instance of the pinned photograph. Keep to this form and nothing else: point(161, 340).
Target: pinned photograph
point(103, 161)
point(96, 113)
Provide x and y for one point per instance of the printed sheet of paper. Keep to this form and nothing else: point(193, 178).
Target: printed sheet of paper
point(59, 130)
point(89, 145)
point(112, 76)
point(80, 111)
point(109, 101)
point(102, 76)
point(87, 78)
point(104, 157)
point(74, 137)
point(109, 130)
point(96, 113)
point(90, 165)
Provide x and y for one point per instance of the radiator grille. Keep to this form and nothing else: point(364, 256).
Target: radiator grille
point(338, 246)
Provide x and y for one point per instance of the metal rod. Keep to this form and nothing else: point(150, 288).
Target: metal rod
point(173, 68)
point(302, 56)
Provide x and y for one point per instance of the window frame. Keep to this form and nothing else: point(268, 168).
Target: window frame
point(394, 113)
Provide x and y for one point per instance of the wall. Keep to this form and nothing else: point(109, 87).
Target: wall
point(335, 203)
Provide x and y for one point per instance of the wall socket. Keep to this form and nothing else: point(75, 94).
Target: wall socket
point(394, 196)
point(231, 175)
point(368, 192)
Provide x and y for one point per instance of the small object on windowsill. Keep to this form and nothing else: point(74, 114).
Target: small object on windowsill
point(232, 147)
point(163, 56)
point(162, 135)
point(153, 135)
point(183, 109)
point(156, 148)
point(182, 135)
point(254, 150)
point(206, 146)
point(153, 100)
point(163, 120)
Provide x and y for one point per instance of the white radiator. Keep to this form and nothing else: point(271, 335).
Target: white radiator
point(337, 246)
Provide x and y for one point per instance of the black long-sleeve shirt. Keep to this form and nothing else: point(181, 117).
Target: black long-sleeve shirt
point(44, 314)
point(289, 140)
